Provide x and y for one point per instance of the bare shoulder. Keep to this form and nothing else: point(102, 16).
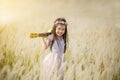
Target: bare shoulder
point(51, 37)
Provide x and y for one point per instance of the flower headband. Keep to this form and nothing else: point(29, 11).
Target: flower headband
point(60, 22)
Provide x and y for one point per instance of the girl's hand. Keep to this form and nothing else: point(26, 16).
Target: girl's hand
point(51, 37)
point(47, 41)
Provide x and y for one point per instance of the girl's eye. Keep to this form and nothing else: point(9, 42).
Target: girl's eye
point(59, 29)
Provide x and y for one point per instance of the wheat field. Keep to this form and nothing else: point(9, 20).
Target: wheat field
point(94, 38)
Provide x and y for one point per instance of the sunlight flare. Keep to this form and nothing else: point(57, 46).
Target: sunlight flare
point(7, 17)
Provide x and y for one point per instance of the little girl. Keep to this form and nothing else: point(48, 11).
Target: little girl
point(57, 42)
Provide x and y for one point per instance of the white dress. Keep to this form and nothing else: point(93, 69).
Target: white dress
point(53, 61)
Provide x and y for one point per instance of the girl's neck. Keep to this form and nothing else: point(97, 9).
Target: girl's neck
point(59, 37)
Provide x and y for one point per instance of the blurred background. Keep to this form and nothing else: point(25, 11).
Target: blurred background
point(79, 11)
point(94, 38)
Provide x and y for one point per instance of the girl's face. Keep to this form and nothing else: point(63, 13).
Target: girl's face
point(60, 30)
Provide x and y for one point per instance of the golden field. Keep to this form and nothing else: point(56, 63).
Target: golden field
point(94, 38)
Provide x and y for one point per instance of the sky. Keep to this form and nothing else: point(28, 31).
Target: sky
point(36, 10)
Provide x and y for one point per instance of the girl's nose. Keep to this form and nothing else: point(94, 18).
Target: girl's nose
point(60, 31)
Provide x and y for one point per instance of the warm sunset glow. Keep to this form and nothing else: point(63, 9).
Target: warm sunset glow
point(7, 12)
point(93, 52)
point(7, 17)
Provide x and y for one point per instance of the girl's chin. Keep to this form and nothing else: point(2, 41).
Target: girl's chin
point(59, 35)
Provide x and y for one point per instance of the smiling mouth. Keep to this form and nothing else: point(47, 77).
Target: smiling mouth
point(60, 34)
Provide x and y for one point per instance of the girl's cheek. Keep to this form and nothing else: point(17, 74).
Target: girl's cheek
point(64, 31)
point(56, 31)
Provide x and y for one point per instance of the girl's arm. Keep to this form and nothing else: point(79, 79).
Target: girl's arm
point(47, 41)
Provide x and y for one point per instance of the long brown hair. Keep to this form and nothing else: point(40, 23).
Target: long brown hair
point(60, 21)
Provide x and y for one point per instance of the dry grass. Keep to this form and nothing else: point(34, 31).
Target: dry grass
point(94, 41)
